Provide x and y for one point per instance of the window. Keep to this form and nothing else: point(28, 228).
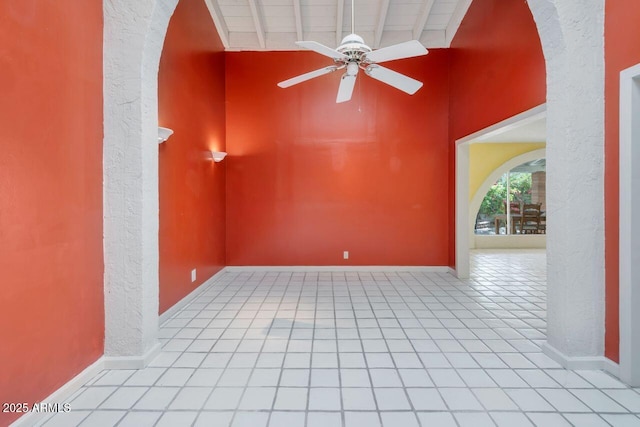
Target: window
point(525, 185)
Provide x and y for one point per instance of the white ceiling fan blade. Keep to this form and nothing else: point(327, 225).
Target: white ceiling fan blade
point(307, 76)
point(397, 51)
point(322, 49)
point(347, 83)
point(392, 78)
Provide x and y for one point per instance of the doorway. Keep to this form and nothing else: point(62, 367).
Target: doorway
point(467, 207)
point(629, 243)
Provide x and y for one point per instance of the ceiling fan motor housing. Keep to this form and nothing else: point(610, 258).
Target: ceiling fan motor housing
point(353, 46)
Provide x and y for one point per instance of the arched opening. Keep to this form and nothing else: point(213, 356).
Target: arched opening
point(134, 35)
point(469, 196)
point(575, 140)
point(133, 38)
point(487, 213)
point(575, 143)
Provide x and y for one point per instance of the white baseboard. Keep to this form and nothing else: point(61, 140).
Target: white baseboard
point(132, 362)
point(62, 394)
point(573, 362)
point(511, 241)
point(188, 298)
point(577, 363)
point(611, 367)
point(339, 268)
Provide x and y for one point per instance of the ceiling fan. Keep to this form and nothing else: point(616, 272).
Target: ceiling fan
point(353, 54)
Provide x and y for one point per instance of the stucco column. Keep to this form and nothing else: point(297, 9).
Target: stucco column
point(134, 34)
point(572, 35)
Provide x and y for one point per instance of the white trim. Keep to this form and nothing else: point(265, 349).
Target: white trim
point(132, 362)
point(629, 243)
point(339, 268)
point(572, 362)
point(464, 231)
point(611, 367)
point(513, 122)
point(510, 241)
point(462, 211)
point(189, 297)
point(581, 363)
point(63, 393)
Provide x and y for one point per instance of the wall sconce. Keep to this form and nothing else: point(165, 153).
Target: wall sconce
point(218, 156)
point(164, 134)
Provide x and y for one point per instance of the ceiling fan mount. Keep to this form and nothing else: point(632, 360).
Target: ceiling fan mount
point(353, 47)
point(353, 54)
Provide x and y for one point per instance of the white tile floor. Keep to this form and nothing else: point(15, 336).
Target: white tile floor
point(361, 349)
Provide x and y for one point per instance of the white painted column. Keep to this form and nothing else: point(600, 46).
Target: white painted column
point(133, 38)
point(572, 35)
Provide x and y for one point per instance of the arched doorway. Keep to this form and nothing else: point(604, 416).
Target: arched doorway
point(133, 39)
point(477, 199)
point(134, 34)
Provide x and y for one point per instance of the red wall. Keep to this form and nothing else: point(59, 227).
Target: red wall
point(622, 50)
point(191, 102)
point(308, 178)
point(497, 71)
point(51, 283)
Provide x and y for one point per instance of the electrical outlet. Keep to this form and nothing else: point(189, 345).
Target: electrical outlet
point(193, 275)
point(345, 255)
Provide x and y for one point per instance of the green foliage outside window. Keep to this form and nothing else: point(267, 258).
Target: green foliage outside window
point(520, 186)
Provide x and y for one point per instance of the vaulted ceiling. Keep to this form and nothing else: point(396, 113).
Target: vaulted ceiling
point(277, 24)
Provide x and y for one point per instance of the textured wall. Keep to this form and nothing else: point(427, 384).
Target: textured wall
point(192, 187)
point(133, 37)
point(51, 286)
point(308, 178)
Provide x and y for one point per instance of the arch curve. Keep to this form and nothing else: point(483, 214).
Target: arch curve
point(545, 15)
point(575, 146)
point(134, 35)
point(476, 200)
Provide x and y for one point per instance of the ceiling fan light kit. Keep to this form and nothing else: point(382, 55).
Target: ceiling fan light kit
point(353, 54)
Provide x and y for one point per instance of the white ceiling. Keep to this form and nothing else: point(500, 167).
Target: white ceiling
point(277, 24)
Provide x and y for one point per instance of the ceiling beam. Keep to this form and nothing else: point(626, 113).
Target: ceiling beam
point(218, 21)
point(382, 17)
point(456, 19)
point(421, 22)
point(339, 21)
point(257, 21)
point(298, 15)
